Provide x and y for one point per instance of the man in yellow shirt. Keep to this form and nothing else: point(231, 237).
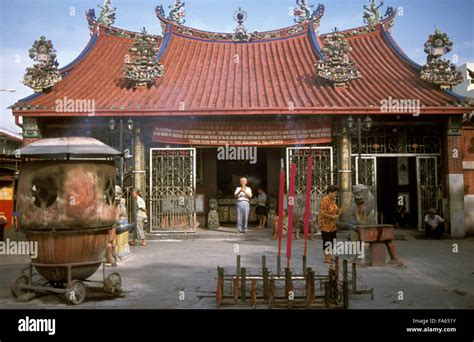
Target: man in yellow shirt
point(328, 216)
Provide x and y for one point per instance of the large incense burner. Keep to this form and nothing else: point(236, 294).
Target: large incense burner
point(66, 203)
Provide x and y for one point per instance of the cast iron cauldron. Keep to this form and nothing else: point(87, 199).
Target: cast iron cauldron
point(66, 204)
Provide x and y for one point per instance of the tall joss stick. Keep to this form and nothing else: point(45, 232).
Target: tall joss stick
point(291, 205)
point(307, 212)
point(281, 196)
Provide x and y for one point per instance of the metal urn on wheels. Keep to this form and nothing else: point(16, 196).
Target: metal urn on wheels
point(66, 205)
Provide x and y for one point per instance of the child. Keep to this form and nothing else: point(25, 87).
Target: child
point(275, 225)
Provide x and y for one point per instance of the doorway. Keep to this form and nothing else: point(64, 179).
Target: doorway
point(397, 186)
point(230, 171)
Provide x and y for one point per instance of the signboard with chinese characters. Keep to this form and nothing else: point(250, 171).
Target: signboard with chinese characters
point(243, 133)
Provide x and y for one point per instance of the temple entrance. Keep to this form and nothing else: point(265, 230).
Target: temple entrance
point(256, 167)
point(229, 173)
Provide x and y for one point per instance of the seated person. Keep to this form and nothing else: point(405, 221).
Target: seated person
point(299, 225)
point(434, 225)
point(401, 216)
point(275, 225)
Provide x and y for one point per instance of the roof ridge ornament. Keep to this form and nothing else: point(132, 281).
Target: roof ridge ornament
point(337, 66)
point(372, 14)
point(45, 73)
point(177, 12)
point(437, 70)
point(107, 14)
point(373, 17)
point(306, 12)
point(240, 32)
point(141, 64)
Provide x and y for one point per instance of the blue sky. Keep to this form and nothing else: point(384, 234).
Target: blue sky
point(63, 21)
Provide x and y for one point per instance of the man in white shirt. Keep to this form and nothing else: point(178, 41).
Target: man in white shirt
point(434, 225)
point(243, 195)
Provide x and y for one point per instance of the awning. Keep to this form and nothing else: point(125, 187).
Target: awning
point(66, 147)
point(257, 132)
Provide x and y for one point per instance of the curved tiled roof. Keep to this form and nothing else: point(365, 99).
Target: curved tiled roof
point(274, 73)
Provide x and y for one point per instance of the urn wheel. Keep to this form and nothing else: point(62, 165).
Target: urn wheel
point(76, 292)
point(16, 289)
point(113, 283)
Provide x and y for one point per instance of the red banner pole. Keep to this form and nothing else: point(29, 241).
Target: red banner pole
point(291, 205)
point(281, 196)
point(307, 212)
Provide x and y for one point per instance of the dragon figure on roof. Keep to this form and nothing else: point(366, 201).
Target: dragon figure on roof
point(177, 12)
point(306, 11)
point(372, 14)
point(107, 13)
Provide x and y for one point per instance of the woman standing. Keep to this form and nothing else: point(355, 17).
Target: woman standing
point(141, 219)
point(329, 214)
point(243, 195)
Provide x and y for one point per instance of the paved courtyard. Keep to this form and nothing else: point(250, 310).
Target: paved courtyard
point(181, 274)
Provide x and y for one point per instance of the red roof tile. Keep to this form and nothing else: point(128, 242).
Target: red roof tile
point(222, 77)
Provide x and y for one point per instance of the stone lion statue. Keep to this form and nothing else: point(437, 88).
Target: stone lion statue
point(362, 213)
point(362, 209)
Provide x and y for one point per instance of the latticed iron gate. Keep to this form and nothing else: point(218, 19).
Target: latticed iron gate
point(367, 175)
point(428, 186)
point(323, 174)
point(172, 189)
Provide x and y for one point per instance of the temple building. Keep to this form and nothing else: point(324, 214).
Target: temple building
point(194, 111)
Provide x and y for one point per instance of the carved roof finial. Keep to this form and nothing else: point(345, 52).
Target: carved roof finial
point(107, 13)
point(240, 32)
point(438, 70)
point(337, 66)
point(44, 74)
point(177, 12)
point(306, 12)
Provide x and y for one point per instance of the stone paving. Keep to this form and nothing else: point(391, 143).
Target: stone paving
point(181, 274)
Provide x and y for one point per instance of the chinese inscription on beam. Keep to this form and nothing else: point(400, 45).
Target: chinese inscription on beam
point(240, 133)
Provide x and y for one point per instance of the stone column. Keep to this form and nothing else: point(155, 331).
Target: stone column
point(455, 177)
point(344, 174)
point(139, 162)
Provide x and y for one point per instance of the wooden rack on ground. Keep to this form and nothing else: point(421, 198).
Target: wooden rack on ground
point(287, 289)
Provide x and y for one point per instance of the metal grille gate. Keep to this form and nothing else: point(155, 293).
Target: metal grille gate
point(172, 189)
point(428, 186)
point(323, 174)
